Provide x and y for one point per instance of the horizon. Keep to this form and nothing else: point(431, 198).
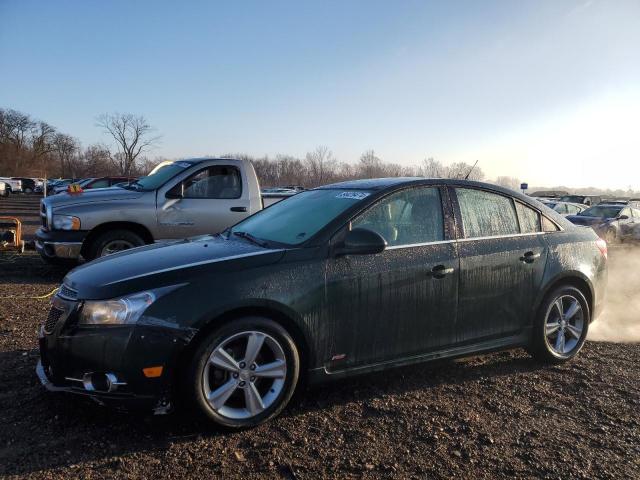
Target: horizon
point(546, 92)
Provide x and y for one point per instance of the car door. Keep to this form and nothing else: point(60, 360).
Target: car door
point(400, 302)
point(206, 201)
point(626, 225)
point(502, 257)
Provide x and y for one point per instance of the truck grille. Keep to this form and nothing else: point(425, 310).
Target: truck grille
point(68, 293)
point(52, 319)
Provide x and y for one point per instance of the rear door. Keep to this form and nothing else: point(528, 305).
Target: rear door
point(207, 201)
point(402, 301)
point(502, 257)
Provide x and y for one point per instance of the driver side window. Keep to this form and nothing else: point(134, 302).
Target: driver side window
point(221, 182)
point(406, 217)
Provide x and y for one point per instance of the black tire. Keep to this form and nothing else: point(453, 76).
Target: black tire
point(98, 244)
point(541, 348)
point(194, 391)
point(28, 190)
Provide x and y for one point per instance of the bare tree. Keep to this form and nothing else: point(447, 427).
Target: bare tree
point(370, 166)
point(132, 135)
point(432, 168)
point(320, 165)
point(509, 182)
point(65, 147)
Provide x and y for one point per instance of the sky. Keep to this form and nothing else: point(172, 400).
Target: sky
point(546, 91)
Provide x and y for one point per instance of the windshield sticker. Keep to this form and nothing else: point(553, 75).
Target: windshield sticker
point(353, 195)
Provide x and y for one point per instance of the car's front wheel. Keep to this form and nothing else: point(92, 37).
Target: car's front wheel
point(244, 373)
point(561, 326)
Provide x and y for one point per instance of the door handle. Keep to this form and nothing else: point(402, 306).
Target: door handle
point(529, 257)
point(238, 209)
point(440, 271)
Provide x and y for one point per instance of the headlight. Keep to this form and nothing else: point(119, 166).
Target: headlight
point(66, 222)
point(119, 311)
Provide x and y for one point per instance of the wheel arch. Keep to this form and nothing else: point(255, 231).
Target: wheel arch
point(272, 312)
point(572, 278)
point(137, 228)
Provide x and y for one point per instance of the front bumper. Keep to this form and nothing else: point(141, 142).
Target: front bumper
point(59, 244)
point(71, 356)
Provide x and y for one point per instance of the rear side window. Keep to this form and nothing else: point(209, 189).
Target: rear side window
point(99, 184)
point(486, 214)
point(406, 217)
point(548, 225)
point(529, 219)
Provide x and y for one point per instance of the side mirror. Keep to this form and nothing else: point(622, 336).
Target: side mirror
point(361, 241)
point(623, 217)
point(176, 192)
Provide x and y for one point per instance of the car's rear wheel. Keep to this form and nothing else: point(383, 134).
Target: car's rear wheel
point(113, 241)
point(244, 373)
point(562, 325)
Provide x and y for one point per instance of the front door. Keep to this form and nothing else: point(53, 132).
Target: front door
point(502, 258)
point(400, 302)
point(207, 201)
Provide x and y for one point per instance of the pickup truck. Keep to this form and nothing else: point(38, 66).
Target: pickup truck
point(13, 186)
point(180, 199)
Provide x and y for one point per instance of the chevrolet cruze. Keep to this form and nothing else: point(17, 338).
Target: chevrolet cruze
point(339, 280)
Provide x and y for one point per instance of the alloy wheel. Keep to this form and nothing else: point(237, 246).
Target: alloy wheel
point(115, 246)
point(564, 325)
point(244, 375)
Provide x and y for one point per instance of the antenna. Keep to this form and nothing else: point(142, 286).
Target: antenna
point(474, 166)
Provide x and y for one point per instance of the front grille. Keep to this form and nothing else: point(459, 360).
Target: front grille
point(52, 319)
point(68, 293)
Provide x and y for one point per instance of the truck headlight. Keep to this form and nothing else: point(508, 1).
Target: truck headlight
point(118, 311)
point(66, 222)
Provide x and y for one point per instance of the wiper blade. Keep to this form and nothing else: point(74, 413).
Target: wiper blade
point(251, 238)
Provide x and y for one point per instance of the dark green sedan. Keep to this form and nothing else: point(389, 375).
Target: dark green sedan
point(340, 280)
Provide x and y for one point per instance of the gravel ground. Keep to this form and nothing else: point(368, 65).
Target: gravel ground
point(494, 416)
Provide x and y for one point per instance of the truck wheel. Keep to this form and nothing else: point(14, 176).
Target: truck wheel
point(113, 241)
point(243, 373)
point(561, 326)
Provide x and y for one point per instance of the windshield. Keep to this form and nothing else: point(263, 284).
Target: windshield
point(82, 183)
point(298, 218)
point(158, 177)
point(573, 198)
point(601, 211)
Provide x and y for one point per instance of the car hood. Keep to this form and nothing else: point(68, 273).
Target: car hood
point(584, 220)
point(159, 265)
point(91, 196)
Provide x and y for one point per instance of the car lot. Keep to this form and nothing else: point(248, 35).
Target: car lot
point(498, 415)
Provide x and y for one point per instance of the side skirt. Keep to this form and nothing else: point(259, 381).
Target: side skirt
point(322, 374)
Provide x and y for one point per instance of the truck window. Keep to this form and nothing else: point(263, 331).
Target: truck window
point(213, 182)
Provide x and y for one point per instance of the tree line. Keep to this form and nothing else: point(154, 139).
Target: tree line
point(33, 148)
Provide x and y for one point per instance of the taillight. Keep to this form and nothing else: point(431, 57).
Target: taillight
point(602, 246)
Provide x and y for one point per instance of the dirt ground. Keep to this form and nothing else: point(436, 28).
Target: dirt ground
point(495, 416)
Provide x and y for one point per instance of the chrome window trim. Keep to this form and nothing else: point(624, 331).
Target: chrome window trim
point(424, 244)
point(502, 236)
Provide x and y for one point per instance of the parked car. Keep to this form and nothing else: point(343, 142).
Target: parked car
point(28, 184)
point(13, 186)
point(62, 185)
point(340, 280)
point(178, 200)
point(99, 182)
point(565, 208)
point(611, 222)
point(549, 194)
point(589, 200)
